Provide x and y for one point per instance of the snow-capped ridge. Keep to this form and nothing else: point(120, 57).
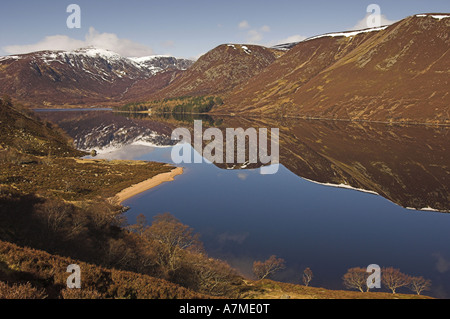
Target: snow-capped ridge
point(95, 52)
point(148, 58)
point(102, 65)
point(435, 16)
point(346, 33)
point(152, 64)
point(8, 57)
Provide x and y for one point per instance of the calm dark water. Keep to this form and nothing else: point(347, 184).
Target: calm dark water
point(244, 216)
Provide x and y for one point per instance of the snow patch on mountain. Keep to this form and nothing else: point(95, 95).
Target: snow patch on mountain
point(10, 57)
point(435, 16)
point(246, 50)
point(347, 33)
point(148, 58)
point(288, 46)
point(342, 186)
point(98, 59)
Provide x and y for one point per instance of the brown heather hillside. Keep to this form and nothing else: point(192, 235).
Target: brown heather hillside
point(220, 70)
point(37, 80)
point(47, 277)
point(33, 274)
point(21, 130)
point(268, 289)
point(397, 74)
point(141, 90)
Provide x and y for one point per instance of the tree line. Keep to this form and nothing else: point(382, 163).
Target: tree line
point(391, 278)
point(355, 278)
point(179, 105)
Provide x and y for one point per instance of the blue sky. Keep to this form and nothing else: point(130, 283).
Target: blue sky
point(186, 28)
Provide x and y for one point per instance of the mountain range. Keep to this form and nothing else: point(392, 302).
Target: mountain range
point(396, 73)
point(82, 77)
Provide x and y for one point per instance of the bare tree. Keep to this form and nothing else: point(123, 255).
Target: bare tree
point(267, 268)
point(57, 216)
point(171, 237)
point(393, 279)
point(419, 285)
point(140, 226)
point(356, 278)
point(215, 276)
point(307, 276)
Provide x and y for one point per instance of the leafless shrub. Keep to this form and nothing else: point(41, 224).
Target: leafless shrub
point(356, 278)
point(419, 285)
point(263, 270)
point(393, 279)
point(307, 276)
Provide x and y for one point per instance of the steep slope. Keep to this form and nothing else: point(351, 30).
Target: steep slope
point(84, 76)
point(289, 73)
point(221, 70)
point(47, 273)
point(390, 74)
point(163, 62)
point(46, 278)
point(23, 132)
point(143, 89)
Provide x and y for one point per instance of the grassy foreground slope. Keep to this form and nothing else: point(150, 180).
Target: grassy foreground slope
point(47, 277)
point(268, 289)
point(34, 274)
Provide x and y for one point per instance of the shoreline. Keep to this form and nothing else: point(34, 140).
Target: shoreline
point(146, 185)
point(300, 117)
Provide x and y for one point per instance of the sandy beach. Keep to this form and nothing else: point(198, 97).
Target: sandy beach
point(148, 184)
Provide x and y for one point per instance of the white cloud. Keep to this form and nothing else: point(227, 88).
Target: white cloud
point(254, 36)
point(244, 25)
point(265, 28)
point(362, 24)
point(168, 44)
point(54, 42)
point(108, 41)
